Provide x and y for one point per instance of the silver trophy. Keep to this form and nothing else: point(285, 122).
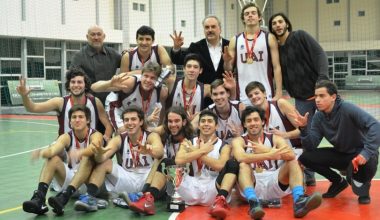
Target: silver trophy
point(175, 174)
point(165, 72)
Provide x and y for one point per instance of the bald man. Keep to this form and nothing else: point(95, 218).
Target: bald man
point(98, 61)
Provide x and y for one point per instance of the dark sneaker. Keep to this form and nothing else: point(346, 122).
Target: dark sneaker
point(311, 182)
point(58, 203)
point(255, 210)
point(86, 203)
point(144, 205)
point(335, 189)
point(364, 200)
point(36, 204)
point(220, 208)
point(305, 204)
point(119, 202)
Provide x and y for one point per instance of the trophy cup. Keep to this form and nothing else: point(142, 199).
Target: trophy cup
point(175, 175)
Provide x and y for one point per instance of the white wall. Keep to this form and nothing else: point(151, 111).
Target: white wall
point(44, 19)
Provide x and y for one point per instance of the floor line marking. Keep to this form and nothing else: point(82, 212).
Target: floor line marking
point(10, 210)
point(23, 152)
point(29, 122)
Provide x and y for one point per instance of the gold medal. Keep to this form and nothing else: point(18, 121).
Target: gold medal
point(249, 60)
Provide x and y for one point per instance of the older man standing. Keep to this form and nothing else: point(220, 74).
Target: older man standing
point(98, 61)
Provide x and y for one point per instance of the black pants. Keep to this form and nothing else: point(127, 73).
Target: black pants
point(322, 160)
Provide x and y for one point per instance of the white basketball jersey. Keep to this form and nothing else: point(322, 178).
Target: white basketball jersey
point(260, 70)
point(224, 130)
point(116, 103)
point(131, 159)
point(76, 146)
point(135, 62)
point(177, 97)
point(270, 165)
point(204, 169)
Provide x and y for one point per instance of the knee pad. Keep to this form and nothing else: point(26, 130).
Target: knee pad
point(232, 166)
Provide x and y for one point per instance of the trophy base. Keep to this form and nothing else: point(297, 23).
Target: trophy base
point(175, 206)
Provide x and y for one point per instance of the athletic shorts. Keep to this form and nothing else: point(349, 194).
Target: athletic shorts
point(267, 186)
point(198, 190)
point(121, 180)
point(69, 176)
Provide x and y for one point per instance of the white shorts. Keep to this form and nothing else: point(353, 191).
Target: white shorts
point(198, 190)
point(69, 176)
point(121, 180)
point(267, 186)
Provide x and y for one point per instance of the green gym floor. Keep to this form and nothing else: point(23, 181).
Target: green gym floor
point(19, 135)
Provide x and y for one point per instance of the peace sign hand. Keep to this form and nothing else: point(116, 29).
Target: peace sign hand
point(178, 40)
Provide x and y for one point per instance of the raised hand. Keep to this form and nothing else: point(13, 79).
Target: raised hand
point(36, 154)
point(301, 121)
point(275, 131)
point(207, 146)
point(178, 40)
point(155, 116)
point(229, 80)
point(119, 80)
point(145, 148)
point(226, 55)
point(21, 88)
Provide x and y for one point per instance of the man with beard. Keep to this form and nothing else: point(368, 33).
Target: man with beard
point(254, 53)
point(145, 52)
point(303, 63)
point(75, 142)
point(78, 84)
point(98, 61)
point(354, 135)
point(175, 130)
point(133, 90)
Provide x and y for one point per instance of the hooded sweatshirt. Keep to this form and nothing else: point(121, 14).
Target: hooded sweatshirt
point(347, 127)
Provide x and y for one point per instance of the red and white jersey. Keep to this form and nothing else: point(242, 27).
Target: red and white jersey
point(195, 100)
point(63, 117)
point(77, 145)
point(269, 165)
point(260, 70)
point(279, 121)
point(199, 168)
point(116, 103)
point(131, 158)
point(136, 64)
point(224, 130)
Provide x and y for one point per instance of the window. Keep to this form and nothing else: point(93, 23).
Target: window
point(69, 57)
point(373, 55)
point(35, 67)
point(358, 62)
point(53, 74)
point(341, 68)
point(10, 67)
point(341, 57)
point(337, 23)
point(336, 1)
point(10, 47)
point(52, 57)
point(361, 13)
point(374, 65)
point(53, 43)
point(72, 45)
point(232, 6)
point(35, 47)
point(328, 1)
point(373, 73)
point(183, 23)
point(330, 60)
point(135, 6)
point(142, 7)
point(358, 72)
